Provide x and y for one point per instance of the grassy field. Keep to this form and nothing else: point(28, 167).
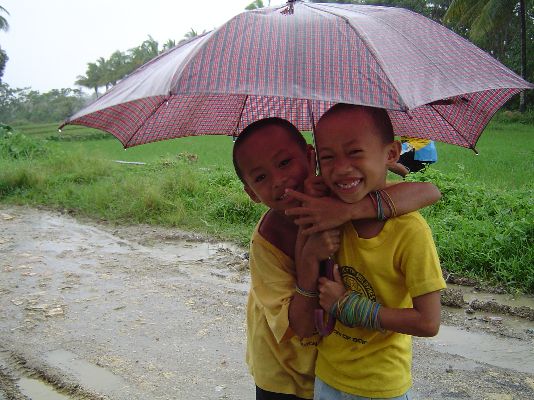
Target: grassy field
point(484, 225)
point(505, 159)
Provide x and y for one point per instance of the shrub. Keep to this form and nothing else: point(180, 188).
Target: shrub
point(15, 145)
point(481, 231)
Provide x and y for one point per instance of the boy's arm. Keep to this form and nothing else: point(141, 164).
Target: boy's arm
point(308, 253)
point(421, 320)
point(399, 169)
point(320, 213)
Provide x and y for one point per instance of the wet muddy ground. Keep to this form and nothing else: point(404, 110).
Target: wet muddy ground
point(92, 311)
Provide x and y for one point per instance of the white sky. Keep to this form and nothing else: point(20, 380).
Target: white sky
point(50, 42)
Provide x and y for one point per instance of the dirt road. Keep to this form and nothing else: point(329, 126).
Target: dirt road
point(91, 311)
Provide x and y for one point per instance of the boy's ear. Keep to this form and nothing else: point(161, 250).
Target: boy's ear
point(251, 194)
point(393, 153)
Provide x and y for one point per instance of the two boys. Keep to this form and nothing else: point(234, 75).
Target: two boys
point(271, 159)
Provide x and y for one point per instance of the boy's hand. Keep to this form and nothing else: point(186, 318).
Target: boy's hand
point(331, 291)
point(323, 244)
point(318, 213)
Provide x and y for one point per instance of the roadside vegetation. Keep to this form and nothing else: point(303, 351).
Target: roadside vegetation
point(484, 225)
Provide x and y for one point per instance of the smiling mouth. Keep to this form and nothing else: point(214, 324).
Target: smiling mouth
point(349, 185)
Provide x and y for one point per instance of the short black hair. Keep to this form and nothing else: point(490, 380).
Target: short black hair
point(246, 133)
point(380, 118)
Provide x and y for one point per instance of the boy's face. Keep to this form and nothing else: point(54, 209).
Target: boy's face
point(271, 162)
point(353, 157)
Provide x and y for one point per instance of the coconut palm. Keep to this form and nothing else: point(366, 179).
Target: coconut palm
point(4, 25)
point(92, 78)
point(191, 34)
point(169, 44)
point(482, 17)
point(255, 5)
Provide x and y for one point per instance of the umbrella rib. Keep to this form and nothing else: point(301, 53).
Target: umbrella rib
point(456, 130)
point(240, 115)
point(165, 100)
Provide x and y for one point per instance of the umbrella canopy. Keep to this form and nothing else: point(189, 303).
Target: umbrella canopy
point(296, 64)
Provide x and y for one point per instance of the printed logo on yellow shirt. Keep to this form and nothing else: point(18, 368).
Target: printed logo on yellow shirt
point(355, 281)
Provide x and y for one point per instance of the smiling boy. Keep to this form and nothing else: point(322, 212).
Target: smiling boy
point(388, 283)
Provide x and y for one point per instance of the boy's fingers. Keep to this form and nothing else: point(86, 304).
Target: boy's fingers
point(296, 211)
point(297, 195)
point(303, 222)
point(311, 230)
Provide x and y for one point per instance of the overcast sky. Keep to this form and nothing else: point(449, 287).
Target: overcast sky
point(50, 42)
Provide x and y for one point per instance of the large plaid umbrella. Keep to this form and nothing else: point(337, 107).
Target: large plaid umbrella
point(295, 62)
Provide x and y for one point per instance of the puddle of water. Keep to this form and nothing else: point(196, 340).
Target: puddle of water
point(507, 353)
point(90, 376)
point(514, 301)
point(192, 251)
point(38, 390)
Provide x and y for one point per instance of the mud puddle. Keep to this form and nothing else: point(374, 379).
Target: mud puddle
point(509, 353)
point(36, 389)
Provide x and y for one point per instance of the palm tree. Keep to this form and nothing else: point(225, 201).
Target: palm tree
point(191, 34)
point(143, 53)
point(92, 78)
point(255, 5)
point(169, 44)
point(482, 17)
point(4, 26)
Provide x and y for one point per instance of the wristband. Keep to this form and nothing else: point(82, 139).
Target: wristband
point(306, 293)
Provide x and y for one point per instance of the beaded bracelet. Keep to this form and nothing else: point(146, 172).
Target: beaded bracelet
point(306, 293)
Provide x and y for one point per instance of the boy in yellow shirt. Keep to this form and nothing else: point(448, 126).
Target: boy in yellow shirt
point(387, 286)
point(271, 157)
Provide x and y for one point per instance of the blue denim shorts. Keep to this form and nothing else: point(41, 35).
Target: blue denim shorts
point(322, 391)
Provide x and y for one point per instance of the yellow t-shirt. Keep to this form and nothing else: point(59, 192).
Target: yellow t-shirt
point(278, 360)
point(398, 264)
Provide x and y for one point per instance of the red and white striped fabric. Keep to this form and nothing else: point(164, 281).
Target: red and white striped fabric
point(263, 63)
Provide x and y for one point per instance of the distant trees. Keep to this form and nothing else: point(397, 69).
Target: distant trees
point(107, 72)
point(499, 26)
point(4, 26)
point(26, 105)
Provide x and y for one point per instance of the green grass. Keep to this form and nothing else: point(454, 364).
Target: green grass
point(505, 159)
point(484, 225)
